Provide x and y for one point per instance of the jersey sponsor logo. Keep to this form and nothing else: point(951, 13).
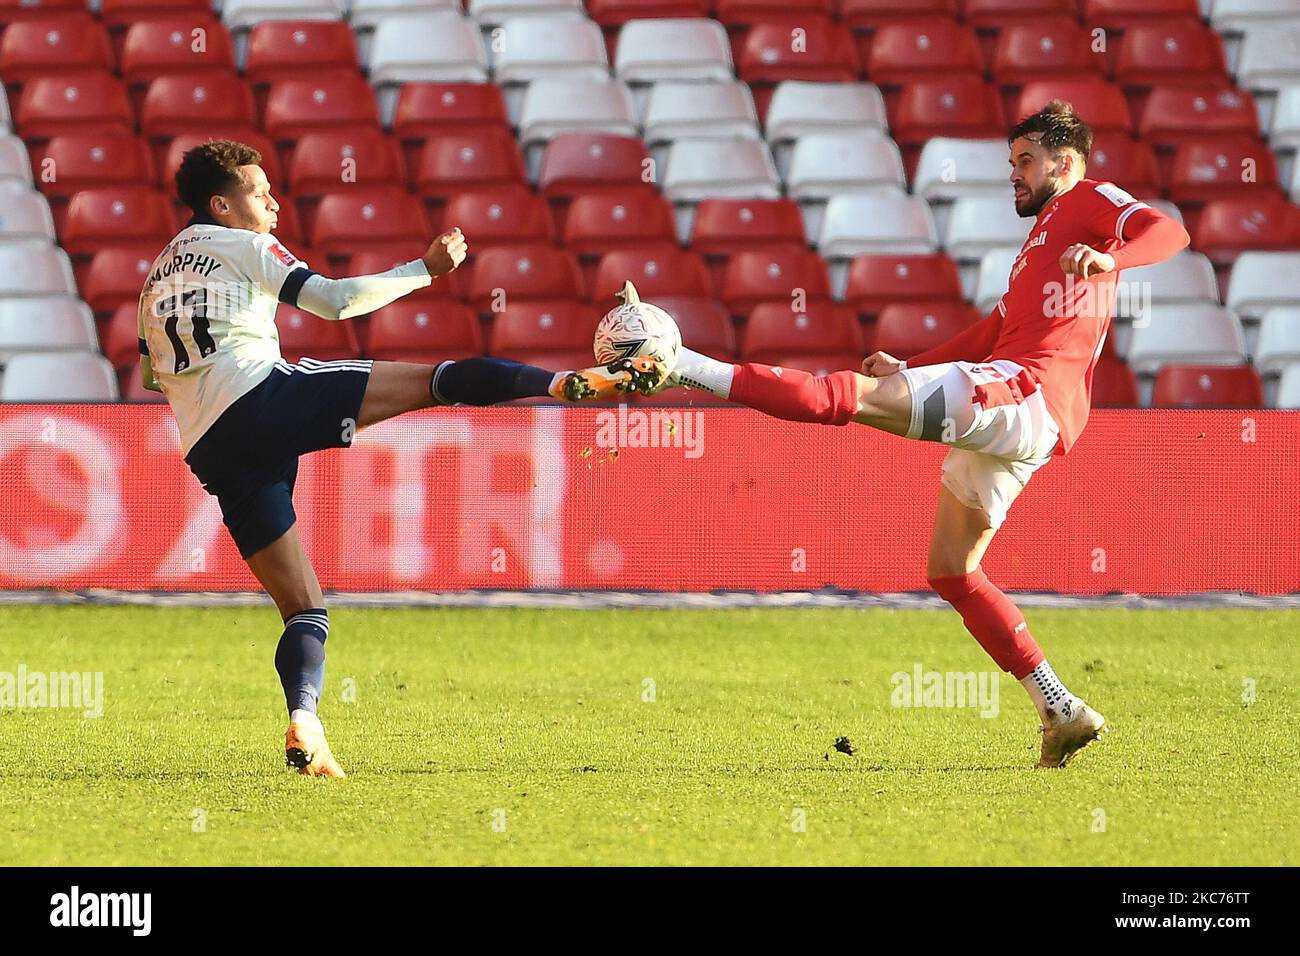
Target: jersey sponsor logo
point(283, 254)
point(1038, 240)
point(1115, 194)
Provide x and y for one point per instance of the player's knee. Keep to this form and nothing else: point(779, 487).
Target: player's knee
point(950, 583)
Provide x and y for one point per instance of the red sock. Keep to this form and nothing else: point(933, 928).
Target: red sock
point(795, 395)
point(993, 620)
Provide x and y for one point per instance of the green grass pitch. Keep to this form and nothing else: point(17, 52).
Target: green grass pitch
point(528, 737)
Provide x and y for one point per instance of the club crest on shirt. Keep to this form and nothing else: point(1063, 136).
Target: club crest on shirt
point(283, 254)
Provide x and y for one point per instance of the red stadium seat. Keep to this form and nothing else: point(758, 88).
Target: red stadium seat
point(154, 48)
point(1028, 51)
point(655, 273)
point(1102, 105)
point(1113, 384)
point(636, 219)
point(1179, 53)
point(180, 145)
point(1208, 386)
point(614, 13)
point(1000, 14)
point(468, 159)
point(504, 275)
point(1173, 115)
point(908, 328)
point(298, 106)
point(17, 11)
point(291, 48)
point(544, 327)
point(367, 217)
point(820, 363)
point(1221, 168)
point(86, 160)
point(53, 45)
point(421, 331)
point(868, 15)
point(181, 103)
point(302, 333)
point(902, 53)
point(1228, 227)
point(1122, 14)
point(776, 331)
point(119, 336)
point(876, 281)
point(963, 106)
point(743, 13)
point(434, 109)
point(726, 226)
point(577, 163)
point(116, 274)
point(1129, 163)
point(774, 275)
point(80, 103)
point(124, 13)
point(500, 215)
point(705, 325)
point(98, 218)
point(329, 160)
point(289, 229)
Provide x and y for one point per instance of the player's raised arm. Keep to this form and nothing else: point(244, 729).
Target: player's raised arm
point(1146, 235)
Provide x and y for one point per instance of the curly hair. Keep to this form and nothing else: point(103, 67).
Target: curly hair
point(212, 169)
point(1060, 128)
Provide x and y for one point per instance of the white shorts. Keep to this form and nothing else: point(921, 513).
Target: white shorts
point(996, 420)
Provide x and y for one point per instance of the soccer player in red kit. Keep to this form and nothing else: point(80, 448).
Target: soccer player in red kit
point(1006, 394)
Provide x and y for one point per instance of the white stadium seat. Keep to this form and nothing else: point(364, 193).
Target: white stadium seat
point(1279, 339)
point(441, 46)
point(368, 14)
point(243, 14)
point(491, 13)
point(724, 168)
point(1288, 389)
point(688, 49)
point(1261, 280)
point(566, 105)
point(1237, 15)
point(980, 223)
point(952, 168)
point(994, 271)
point(58, 377)
point(24, 213)
point(6, 119)
point(1270, 56)
point(35, 269)
point(535, 47)
point(829, 164)
point(799, 108)
point(1285, 133)
point(1166, 207)
point(1186, 334)
point(874, 223)
point(712, 110)
point(14, 163)
point(1186, 277)
point(45, 324)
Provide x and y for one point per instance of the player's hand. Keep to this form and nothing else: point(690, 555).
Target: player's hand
point(880, 364)
point(1083, 261)
point(445, 253)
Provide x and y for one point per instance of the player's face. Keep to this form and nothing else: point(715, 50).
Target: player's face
point(1036, 176)
point(252, 206)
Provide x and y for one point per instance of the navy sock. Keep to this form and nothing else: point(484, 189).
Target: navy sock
point(486, 381)
point(300, 658)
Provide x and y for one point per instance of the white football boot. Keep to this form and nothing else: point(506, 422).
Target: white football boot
point(1068, 732)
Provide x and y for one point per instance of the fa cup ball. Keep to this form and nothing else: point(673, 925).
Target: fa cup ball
point(637, 328)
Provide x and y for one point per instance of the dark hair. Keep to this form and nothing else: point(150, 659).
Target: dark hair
point(1060, 126)
point(212, 169)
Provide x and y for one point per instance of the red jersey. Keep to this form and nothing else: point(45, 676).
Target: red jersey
point(1050, 323)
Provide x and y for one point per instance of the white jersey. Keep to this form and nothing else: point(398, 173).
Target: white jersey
point(207, 318)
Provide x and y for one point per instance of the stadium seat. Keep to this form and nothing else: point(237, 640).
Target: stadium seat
point(637, 219)
point(1208, 386)
point(980, 223)
point(1262, 280)
point(523, 273)
point(655, 272)
point(24, 214)
point(158, 47)
point(120, 338)
point(435, 47)
point(241, 14)
point(500, 215)
point(427, 109)
point(774, 275)
point(1027, 51)
point(366, 15)
point(866, 16)
point(111, 215)
point(86, 160)
point(1288, 388)
point(876, 281)
point(328, 160)
point(474, 158)
point(993, 15)
point(800, 108)
point(298, 106)
point(828, 164)
point(1123, 14)
point(564, 105)
point(1268, 58)
point(1101, 102)
point(1240, 16)
point(532, 48)
point(825, 55)
point(346, 220)
point(1189, 334)
point(1113, 384)
point(1285, 132)
point(689, 109)
point(1229, 227)
point(706, 168)
point(82, 103)
point(907, 52)
point(962, 106)
point(1221, 167)
point(58, 377)
point(1174, 114)
point(45, 325)
point(543, 327)
point(744, 13)
point(181, 103)
point(491, 13)
point(1279, 340)
point(951, 168)
point(904, 329)
point(821, 363)
point(994, 274)
point(117, 273)
point(30, 269)
point(180, 145)
point(1174, 53)
point(124, 13)
point(775, 330)
point(585, 162)
point(15, 163)
point(302, 333)
point(66, 43)
point(613, 13)
point(876, 223)
point(287, 49)
point(723, 227)
point(673, 49)
point(704, 323)
point(1185, 277)
point(1130, 163)
point(429, 332)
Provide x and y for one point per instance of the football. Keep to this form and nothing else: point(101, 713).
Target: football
point(637, 328)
